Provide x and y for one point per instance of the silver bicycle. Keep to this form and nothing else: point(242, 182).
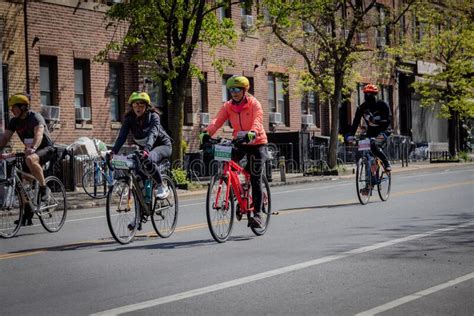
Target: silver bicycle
point(20, 190)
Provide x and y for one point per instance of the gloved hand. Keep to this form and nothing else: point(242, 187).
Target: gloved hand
point(250, 136)
point(204, 137)
point(143, 154)
point(349, 138)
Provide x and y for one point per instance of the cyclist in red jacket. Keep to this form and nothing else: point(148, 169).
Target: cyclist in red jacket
point(245, 114)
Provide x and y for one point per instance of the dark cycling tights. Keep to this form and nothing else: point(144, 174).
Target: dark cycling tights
point(256, 157)
point(155, 157)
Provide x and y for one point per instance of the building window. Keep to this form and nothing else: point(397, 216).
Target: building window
point(246, 7)
point(81, 83)
point(48, 74)
point(155, 91)
point(278, 99)
point(115, 90)
point(82, 90)
point(203, 100)
point(310, 105)
point(188, 103)
point(224, 12)
point(5, 113)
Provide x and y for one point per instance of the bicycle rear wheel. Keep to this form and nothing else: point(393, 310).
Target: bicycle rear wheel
point(122, 213)
point(11, 217)
point(362, 181)
point(165, 213)
point(53, 215)
point(385, 183)
point(220, 217)
point(266, 211)
point(94, 183)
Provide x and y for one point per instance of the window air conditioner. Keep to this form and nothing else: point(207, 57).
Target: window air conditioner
point(204, 118)
point(83, 113)
point(247, 21)
point(275, 118)
point(380, 41)
point(50, 113)
point(307, 119)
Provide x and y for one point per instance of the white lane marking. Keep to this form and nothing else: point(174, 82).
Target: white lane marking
point(415, 296)
point(271, 273)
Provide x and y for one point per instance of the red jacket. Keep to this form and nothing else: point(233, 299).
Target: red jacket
point(250, 118)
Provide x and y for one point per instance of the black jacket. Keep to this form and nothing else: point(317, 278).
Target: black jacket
point(377, 116)
point(146, 131)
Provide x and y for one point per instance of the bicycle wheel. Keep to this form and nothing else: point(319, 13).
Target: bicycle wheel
point(220, 218)
point(266, 211)
point(123, 214)
point(94, 183)
point(385, 183)
point(53, 215)
point(165, 212)
point(362, 181)
point(11, 217)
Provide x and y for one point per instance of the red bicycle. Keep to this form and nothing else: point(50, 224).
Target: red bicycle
point(231, 185)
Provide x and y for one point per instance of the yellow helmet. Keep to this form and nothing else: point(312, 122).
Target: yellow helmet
point(238, 82)
point(18, 99)
point(139, 96)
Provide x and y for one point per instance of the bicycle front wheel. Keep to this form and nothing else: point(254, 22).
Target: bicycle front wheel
point(122, 212)
point(11, 215)
point(362, 181)
point(385, 183)
point(165, 212)
point(94, 183)
point(53, 215)
point(266, 211)
point(219, 210)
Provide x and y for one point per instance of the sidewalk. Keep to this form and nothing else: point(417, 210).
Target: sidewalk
point(80, 200)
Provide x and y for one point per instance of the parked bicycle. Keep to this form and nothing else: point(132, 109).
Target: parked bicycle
point(232, 185)
point(370, 172)
point(20, 189)
point(97, 179)
point(131, 201)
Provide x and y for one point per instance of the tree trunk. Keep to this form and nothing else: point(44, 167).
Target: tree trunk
point(452, 131)
point(175, 111)
point(335, 102)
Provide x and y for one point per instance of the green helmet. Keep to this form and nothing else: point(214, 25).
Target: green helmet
point(139, 96)
point(238, 82)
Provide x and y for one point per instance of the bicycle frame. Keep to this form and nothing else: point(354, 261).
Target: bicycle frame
point(231, 170)
point(16, 180)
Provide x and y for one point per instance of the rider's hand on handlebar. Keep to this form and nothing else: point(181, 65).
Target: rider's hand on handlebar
point(204, 137)
point(143, 154)
point(250, 136)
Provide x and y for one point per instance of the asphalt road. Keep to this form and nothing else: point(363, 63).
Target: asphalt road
point(324, 254)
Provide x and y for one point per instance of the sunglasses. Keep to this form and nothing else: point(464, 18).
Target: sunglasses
point(235, 90)
point(139, 103)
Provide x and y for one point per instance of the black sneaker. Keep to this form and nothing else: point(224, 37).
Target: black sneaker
point(43, 194)
point(27, 219)
point(256, 221)
point(388, 168)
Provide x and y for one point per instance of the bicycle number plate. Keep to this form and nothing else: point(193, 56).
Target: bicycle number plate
point(122, 163)
point(364, 145)
point(3, 170)
point(222, 153)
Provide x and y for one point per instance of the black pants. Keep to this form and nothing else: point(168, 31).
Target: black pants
point(256, 156)
point(150, 165)
point(379, 153)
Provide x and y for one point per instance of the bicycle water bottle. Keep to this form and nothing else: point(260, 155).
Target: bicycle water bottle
point(148, 190)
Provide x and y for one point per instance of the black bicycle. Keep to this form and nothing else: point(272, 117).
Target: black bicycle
point(20, 189)
point(131, 201)
point(370, 172)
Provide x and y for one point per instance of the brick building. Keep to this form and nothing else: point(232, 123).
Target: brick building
point(53, 60)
